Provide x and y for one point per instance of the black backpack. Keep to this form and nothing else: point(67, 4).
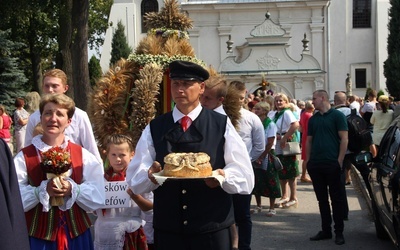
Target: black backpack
point(359, 135)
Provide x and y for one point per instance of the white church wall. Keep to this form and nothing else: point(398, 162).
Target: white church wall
point(124, 11)
point(382, 17)
point(338, 47)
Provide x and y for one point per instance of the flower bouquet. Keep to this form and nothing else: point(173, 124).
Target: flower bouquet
point(55, 163)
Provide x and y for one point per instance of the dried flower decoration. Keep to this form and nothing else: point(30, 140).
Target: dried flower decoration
point(55, 163)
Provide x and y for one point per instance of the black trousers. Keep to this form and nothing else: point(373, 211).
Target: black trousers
point(241, 207)
point(326, 180)
point(219, 240)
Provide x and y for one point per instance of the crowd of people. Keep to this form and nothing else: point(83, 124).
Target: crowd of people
point(58, 195)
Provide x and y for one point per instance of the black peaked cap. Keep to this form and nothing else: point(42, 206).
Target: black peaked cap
point(185, 70)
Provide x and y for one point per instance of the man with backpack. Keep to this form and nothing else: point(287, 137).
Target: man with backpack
point(359, 138)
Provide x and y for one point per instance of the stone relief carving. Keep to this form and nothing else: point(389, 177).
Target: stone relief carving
point(319, 83)
point(298, 83)
point(267, 28)
point(268, 62)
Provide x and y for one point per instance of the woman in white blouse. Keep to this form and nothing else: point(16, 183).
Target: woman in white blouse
point(287, 125)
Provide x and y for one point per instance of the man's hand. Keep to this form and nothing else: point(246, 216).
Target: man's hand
point(212, 182)
point(155, 168)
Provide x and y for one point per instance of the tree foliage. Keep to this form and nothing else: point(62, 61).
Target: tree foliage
point(99, 13)
point(12, 78)
point(392, 64)
point(94, 70)
point(34, 23)
point(44, 25)
point(119, 45)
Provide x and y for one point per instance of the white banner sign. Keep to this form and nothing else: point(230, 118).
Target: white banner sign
point(116, 194)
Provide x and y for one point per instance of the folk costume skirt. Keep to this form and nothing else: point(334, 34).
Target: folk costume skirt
point(290, 167)
point(83, 241)
point(267, 182)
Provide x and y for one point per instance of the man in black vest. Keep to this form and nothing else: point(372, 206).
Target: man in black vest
point(193, 213)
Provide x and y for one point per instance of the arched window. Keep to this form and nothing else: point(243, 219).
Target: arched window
point(361, 13)
point(147, 6)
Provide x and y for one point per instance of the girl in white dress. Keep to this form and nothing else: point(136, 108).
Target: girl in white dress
point(121, 228)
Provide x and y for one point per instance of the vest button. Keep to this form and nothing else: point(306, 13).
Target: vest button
point(183, 191)
point(185, 222)
point(184, 207)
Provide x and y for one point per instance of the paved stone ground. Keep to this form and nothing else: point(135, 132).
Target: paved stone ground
point(291, 228)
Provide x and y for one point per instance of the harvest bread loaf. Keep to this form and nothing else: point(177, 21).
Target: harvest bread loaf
point(187, 165)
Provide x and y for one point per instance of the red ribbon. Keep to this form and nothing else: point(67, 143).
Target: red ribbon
point(62, 241)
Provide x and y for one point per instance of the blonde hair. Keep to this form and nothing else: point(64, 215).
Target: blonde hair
point(2, 108)
point(263, 105)
point(32, 101)
point(292, 106)
point(284, 97)
point(37, 130)
point(309, 105)
point(219, 83)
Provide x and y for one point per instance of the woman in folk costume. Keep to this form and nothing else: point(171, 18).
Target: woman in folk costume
point(287, 125)
point(121, 228)
point(59, 182)
point(267, 180)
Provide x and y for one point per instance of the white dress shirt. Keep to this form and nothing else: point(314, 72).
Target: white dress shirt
point(79, 131)
point(220, 109)
point(239, 176)
point(89, 195)
point(251, 130)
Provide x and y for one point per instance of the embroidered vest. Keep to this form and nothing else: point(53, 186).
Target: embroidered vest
point(189, 206)
point(43, 225)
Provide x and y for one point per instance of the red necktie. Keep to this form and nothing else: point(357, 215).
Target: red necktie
point(185, 122)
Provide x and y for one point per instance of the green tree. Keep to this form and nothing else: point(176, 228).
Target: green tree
point(99, 13)
point(33, 23)
point(94, 70)
point(12, 78)
point(119, 45)
point(50, 28)
point(367, 93)
point(392, 64)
